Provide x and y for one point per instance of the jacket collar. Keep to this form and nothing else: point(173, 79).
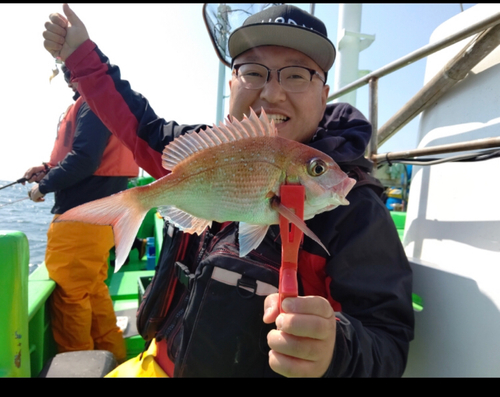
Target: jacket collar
point(344, 134)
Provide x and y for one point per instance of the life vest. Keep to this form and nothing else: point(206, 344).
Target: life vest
point(117, 160)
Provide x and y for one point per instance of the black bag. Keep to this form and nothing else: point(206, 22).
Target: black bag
point(159, 293)
point(214, 326)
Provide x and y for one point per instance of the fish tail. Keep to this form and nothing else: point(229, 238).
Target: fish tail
point(123, 211)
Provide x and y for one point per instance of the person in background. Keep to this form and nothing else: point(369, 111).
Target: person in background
point(354, 316)
point(87, 163)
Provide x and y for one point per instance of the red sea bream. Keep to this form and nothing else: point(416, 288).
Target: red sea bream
point(230, 172)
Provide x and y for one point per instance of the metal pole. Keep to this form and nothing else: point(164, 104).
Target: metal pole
point(419, 54)
point(373, 115)
point(220, 93)
point(348, 47)
point(454, 71)
point(223, 11)
point(485, 143)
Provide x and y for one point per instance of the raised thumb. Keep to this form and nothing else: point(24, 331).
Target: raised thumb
point(72, 17)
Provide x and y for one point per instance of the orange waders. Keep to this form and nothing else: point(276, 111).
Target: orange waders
point(82, 312)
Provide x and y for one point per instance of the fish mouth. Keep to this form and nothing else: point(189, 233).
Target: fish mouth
point(346, 185)
point(340, 191)
point(331, 207)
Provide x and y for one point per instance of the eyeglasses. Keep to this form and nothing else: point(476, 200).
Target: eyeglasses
point(292, 78)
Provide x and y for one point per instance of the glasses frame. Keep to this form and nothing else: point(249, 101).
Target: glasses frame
point(313, 73)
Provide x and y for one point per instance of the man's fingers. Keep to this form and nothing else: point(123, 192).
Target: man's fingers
point(296, 346)
point(55, 40)
point(304, 325)
point(54, 31)
point(72, 17)
point(58, 19)
point(271, 308)
point(63, 35)
point(308, 305)
point(290, 366)
point(52, 47)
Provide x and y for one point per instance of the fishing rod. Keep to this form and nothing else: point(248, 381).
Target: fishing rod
point(15, 201)
point(22, 180)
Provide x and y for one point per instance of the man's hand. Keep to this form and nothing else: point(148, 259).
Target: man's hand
point(35, 195)
point(34, 174)
point(63, 35)
point(303, 343)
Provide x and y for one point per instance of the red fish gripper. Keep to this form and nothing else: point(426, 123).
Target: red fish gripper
point(292, 197)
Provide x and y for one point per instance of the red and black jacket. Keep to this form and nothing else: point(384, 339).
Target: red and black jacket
point(367, 278)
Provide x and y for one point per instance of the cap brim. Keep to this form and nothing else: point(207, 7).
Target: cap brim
point(315, 46)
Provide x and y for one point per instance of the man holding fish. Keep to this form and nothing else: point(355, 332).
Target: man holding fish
point(355, 318)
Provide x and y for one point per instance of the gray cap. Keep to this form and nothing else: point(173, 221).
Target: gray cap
point(285, 26)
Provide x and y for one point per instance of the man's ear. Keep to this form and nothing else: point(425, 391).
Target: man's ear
point(326, 91)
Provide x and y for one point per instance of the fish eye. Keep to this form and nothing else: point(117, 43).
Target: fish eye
point(316, 167)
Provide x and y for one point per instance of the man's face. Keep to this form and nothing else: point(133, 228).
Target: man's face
point(73, 86)
point(296, 114)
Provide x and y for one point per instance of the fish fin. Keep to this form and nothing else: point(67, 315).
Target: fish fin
point(290, 215)
point(188, 144)
point(261, 126)
point(184, 221)
point(122, 211)
point(250, 236)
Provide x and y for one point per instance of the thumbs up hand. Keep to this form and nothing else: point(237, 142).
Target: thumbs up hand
point(64, 34)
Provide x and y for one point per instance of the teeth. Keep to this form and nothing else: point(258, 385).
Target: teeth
point(278, 118)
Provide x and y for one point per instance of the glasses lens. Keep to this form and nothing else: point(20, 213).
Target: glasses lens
point(295, 78)
point(292, 78)
point(252, 75)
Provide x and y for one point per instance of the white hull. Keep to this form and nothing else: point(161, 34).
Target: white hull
point(452, 233)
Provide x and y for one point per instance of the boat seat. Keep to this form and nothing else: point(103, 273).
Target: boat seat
point(80, 364)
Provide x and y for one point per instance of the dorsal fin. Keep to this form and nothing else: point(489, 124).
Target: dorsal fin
point(192, 142)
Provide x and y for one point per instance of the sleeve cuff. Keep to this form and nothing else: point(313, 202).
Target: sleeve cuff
point(41, 188)
point(74, 61)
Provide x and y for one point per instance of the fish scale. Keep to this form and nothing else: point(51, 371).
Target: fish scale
point(207, 193)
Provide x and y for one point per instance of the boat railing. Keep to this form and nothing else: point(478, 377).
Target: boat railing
point(486, 40)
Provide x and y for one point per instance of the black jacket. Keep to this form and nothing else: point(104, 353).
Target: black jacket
point(367, 274)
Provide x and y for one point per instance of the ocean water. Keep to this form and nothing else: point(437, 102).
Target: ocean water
point(31, 218)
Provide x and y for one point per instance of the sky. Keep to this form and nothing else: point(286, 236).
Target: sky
point(164, 51)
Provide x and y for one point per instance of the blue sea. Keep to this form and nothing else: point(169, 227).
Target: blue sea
point(31, 218)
